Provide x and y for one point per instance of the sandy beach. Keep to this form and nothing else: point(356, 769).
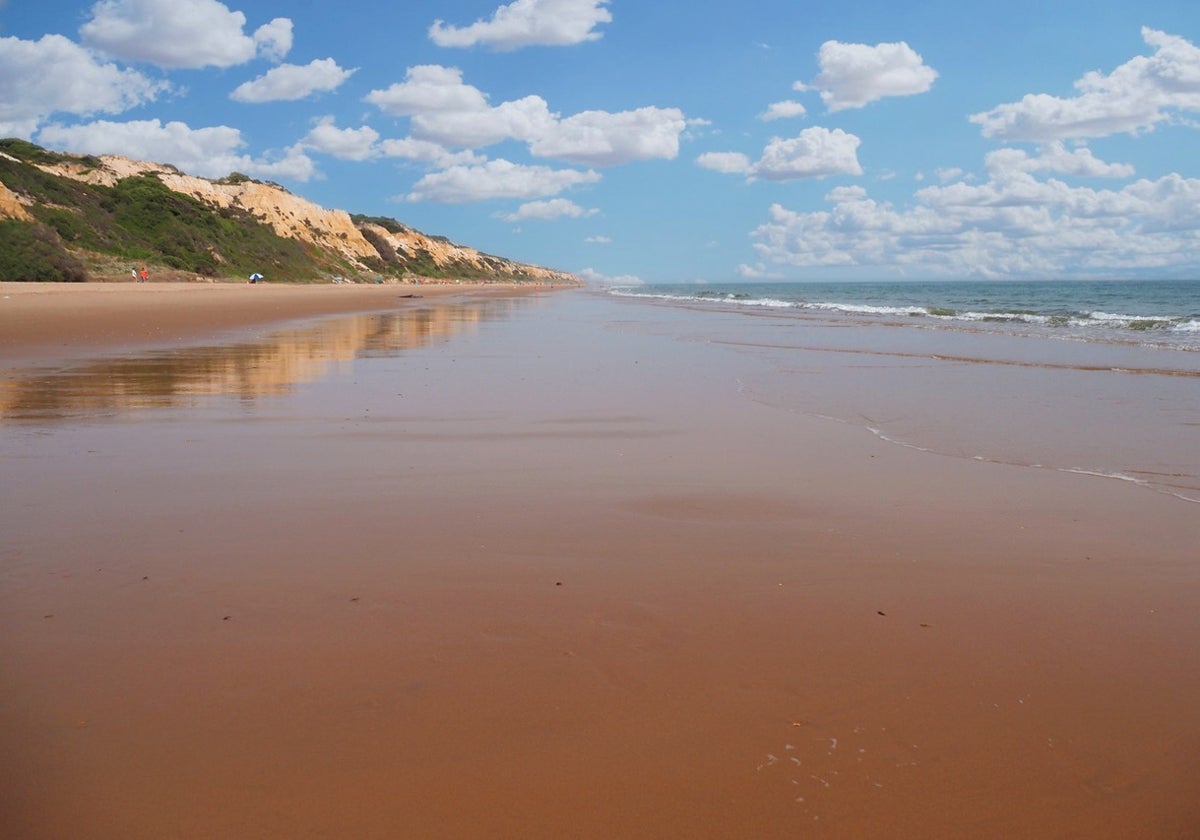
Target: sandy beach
point(497, 563)
point(72, 318)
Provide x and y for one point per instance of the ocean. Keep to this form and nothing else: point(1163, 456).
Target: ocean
point(1162, 313)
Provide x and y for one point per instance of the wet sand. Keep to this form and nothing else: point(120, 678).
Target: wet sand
point(536, 567)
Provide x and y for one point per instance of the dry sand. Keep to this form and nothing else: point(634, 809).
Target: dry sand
point(69, 318)
point(559, 581)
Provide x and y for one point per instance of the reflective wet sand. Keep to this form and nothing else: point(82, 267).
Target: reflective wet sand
point(559, 566)
point(274, 363)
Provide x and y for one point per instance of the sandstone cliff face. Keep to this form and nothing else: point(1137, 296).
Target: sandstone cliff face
point(287, 214)
point(297, 218)
point(11, 207)
point(447, 255)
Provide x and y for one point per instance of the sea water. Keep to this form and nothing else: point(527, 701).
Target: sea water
point(1161, 313)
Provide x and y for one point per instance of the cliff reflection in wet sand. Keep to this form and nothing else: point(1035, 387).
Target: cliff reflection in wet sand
point(249, 370)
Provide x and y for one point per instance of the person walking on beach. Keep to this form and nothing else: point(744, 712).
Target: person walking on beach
point(133, 274)
point(145, 275)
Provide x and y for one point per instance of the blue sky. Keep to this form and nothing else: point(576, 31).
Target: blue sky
point(666, 141)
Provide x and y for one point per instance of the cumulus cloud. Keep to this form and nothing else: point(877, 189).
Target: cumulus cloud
point(365, 143)
point(443, 109)
point(425, 151)
point(521, 119)
point(548, 211)
point(210, 152)
point(782, 111)
point(274, 39)
point(1056, 158)
point(526, 23)
point(815, 153)
point(496, 179)
point(289, 82)
point(729, 163)
point(590, 275)
point(182, 33)
point(343, 143)
point(1141, 93)
point(56, 75)
point(1013, 225)
point(428, 88)
point(854, 75)
point(600, 138)
point(758, 272)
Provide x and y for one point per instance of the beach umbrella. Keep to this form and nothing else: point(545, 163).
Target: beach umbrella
point(256, 276)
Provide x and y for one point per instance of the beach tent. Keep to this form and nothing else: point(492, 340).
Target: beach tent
point(255, 277)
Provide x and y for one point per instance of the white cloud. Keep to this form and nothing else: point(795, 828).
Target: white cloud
point(729, 163)
point(598, 240)
point(56, 75)
point(548, 211)
point(496, 179)
point(343, 143)
point(782, 111)
point(446, 111)
point(600, 138)
point(289, 82)
point(428, 88)
point(182, 33)
point(854, 75)
point(1138, 95)
point(426, 151)
point(1054, 157)
point(590, 275)
point(527, 23)
point(274, 39)
point(816, 152)
point(948, 173)
point(521, 119)
point(758, 272)
point(208, 152)
point(364, 143)
point(1013, 225)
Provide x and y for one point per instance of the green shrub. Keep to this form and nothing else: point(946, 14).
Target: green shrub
point(382, 247)
point(30, 251)
point(28, 152)
point(390, 225)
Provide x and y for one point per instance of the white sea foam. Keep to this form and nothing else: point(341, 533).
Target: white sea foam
point(1103, 312)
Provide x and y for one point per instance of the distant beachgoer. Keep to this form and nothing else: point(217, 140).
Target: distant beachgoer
point(145, 275)
point(133, 274)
